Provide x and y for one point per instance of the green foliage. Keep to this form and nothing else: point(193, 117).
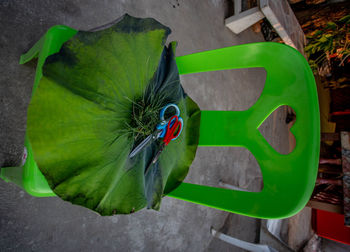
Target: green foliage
point(100, 96)
point(345, 19)
point(329, 44)
point(145, 116)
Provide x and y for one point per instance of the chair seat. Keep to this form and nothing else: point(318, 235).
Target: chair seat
point(288, 179)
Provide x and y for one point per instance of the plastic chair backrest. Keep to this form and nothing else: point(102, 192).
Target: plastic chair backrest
point(288, 179)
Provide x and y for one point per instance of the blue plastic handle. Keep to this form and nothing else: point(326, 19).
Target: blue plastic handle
point(162, 112)
point(163, 128)
point(162, 125)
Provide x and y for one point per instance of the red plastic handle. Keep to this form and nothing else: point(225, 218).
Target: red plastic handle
point(173, 129)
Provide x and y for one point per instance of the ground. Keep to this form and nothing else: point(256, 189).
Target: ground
point(42, 224)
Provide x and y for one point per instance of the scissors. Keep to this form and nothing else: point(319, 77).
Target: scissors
point(169, 130)
point(173, 130)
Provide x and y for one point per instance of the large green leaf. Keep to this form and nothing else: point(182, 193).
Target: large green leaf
point(99, 97)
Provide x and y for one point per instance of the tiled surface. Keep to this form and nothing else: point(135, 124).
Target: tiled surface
point(50, 224)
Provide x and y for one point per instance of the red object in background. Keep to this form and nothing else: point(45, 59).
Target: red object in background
point(330, 226)
point(340, 113)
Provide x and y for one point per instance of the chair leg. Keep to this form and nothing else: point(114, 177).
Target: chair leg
point(239, 22)
point(241, 244)
point(33, 52)
point(270, 234)
point(232, 187)
point(238, 6)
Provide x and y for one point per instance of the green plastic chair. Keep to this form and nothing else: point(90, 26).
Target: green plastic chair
point(288, 179)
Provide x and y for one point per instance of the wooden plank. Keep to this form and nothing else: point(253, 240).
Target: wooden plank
point(329, 169)
point(330, 137)
point(325, 206)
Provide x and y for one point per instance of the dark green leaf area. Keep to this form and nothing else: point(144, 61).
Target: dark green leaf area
point(98, 98)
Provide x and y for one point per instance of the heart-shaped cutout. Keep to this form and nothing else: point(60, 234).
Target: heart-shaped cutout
point(276, 129)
